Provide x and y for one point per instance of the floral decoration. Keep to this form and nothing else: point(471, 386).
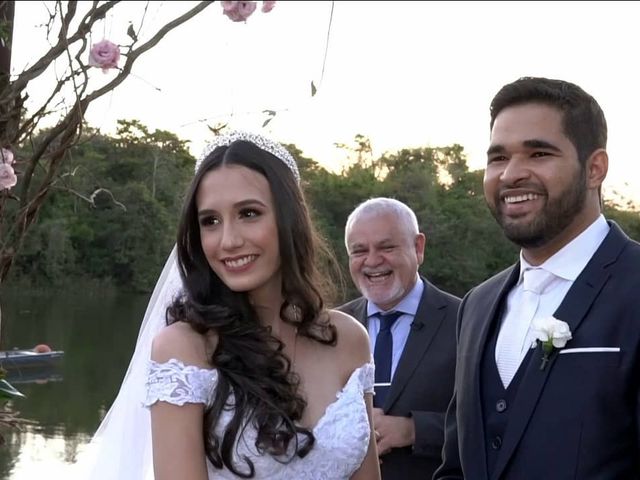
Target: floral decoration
point(7, 156)
point(267, 6)
point(8, 177)
point(240, 11)
point(551, 333)
point(105, 55)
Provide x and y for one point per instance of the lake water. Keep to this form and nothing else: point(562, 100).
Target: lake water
point(97, 330)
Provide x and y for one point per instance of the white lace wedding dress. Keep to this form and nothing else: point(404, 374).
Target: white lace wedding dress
point(341, 435)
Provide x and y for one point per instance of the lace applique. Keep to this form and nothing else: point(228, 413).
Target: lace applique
point(342, 439)
point(342, 433)
point(367, 377)
point(177, 383)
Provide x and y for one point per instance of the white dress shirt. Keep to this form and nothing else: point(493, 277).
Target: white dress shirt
point(565, 265)
point(401, 328)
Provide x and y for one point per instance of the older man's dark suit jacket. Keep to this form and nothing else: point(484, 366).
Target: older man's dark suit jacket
point(423, 382)
point(579, 417)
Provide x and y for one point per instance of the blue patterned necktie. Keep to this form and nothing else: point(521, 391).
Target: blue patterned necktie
point(382, 356)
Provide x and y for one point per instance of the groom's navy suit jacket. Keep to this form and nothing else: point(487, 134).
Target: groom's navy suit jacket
point(423, 381)
point(578, 418)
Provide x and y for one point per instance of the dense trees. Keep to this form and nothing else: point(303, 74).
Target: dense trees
point(464, 245)
point(122, 233)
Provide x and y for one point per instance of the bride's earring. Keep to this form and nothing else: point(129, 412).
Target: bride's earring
point(296, 313)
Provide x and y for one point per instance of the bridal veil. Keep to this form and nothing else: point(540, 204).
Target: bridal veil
point(121, 447)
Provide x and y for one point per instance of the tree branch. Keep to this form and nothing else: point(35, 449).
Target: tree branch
point(56, 142)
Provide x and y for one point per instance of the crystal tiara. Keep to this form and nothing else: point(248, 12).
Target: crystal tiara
point(258, 140)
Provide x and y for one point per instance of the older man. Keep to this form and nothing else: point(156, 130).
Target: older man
point(411, 325)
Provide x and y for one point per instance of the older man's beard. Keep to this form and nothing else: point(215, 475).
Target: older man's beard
point(556, 215)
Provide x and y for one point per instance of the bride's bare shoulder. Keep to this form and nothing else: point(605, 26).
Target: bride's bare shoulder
point(353, 339)
point(181, 342)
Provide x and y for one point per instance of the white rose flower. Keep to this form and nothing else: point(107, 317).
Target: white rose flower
point(551, 329)
point(550, 333)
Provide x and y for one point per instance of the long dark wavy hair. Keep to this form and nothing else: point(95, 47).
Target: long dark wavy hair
point(249, 359)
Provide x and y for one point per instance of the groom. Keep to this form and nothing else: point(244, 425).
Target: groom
point(572, 410)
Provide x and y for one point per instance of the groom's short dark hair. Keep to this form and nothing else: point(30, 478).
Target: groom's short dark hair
point(583, 120)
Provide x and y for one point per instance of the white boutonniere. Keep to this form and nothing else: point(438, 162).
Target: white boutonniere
point(550, 333)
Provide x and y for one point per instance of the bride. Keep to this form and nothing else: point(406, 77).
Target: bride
point(239, 370)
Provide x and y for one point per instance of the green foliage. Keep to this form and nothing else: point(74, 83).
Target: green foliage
point(629, 220)
point(114, 213)
point(5, 32)
point(464, 245)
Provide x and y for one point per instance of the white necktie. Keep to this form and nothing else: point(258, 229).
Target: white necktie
point(510, 347)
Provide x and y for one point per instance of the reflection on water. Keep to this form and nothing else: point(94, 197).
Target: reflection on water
point(97, 331)
point(34, 454)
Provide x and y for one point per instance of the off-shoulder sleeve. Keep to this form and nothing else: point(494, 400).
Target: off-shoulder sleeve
point(367, 376)
point(177, 383)
point(361, 379)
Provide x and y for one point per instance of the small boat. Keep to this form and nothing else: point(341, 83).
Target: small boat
point(21, 359)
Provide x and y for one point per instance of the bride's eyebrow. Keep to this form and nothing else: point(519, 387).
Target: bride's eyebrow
point(206, 212)
point(250, 202)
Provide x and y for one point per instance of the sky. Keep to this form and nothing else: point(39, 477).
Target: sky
point(404, 74)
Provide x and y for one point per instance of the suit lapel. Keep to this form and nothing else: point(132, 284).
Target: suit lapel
point(427, 320)
point(484, 312)
point(572, 310)
point(590, 282)
point(359, 312)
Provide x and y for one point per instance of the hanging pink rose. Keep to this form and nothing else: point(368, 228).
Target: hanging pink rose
point(7, 156)
point(238, 11)
point(104, 54)
point(7, 176)
point(268, 6)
